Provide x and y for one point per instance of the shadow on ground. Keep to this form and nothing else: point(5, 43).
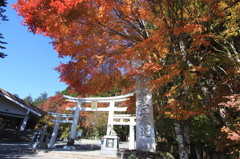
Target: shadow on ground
point(14, 150)
point(22, 150)
point(79, 147)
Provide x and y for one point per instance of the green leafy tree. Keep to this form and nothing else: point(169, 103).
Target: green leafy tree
point(204, 132)
point(122, 132)
point(28, 99)
point(69, 92)
point(65, 130)
point(3, 17)
point(40, 99)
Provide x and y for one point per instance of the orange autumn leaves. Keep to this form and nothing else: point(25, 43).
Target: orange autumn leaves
point(104, 38)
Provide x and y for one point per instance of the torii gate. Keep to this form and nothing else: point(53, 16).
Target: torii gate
point(145, 137)
point(112, 119)
point(57, 122)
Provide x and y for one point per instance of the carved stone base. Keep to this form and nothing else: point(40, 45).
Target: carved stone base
point(110, 145)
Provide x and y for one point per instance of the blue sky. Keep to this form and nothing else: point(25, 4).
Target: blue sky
point(29, 67)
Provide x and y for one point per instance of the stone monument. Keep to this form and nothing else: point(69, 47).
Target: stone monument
point(145, 137)
point(40, 139)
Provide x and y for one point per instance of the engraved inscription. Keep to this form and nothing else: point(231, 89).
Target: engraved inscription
point(144, 112)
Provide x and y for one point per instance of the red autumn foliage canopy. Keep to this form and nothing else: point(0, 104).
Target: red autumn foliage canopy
point(182, 45)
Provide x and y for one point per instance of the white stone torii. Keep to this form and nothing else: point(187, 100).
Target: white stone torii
point(111, 109)
point(57, 122)
point(131, 124)
point(122, 117)
point(111, 117)
point(145, 137)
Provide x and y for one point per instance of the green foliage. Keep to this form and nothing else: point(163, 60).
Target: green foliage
point(122, 131)
point(3, 3)
point(132, 156)
point(203, 131)
point(43, 122)
point(100, 127)
point(110, 93)
point(164, 129)
point(65, 130)
point(2, 55)
point(41, 99)
point(28, 99)
point(69, 92)
point(3, 17)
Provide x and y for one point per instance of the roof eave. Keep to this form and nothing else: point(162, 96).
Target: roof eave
point(23, 106)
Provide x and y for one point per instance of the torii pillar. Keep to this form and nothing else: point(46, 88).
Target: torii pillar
point(132, 134)
point(55, 132)
point(74, 125)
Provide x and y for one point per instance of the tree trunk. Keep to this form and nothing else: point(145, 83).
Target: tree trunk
point(182, 135)
point(196, 151)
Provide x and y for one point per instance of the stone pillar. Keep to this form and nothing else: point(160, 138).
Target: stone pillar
point(131, 135)
point(110, 117)
point(55, 132)
point(24, 123)
point(74, 125)
point(145, 137)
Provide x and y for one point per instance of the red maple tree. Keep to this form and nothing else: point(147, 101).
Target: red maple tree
point(188, 48)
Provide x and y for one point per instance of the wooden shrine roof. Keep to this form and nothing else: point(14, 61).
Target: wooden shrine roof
point(20, 101)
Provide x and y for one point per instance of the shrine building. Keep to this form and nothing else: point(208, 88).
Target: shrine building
point(16, 114)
